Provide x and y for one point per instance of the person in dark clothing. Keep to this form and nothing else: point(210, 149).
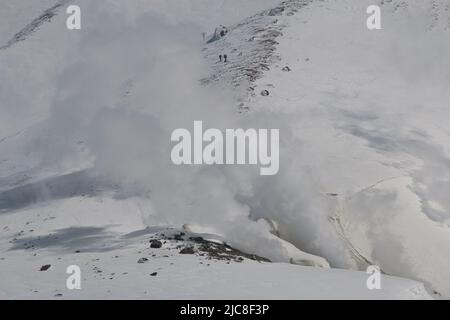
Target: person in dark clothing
point(220, 58)
point(225, 57)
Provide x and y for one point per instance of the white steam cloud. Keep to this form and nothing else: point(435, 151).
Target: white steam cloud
point(121, 87)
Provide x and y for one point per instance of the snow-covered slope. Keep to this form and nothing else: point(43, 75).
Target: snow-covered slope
point(371, 117)
point(84, 173)
point(114, 253)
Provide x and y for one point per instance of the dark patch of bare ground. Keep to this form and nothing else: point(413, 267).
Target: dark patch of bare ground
point(220, 251)
point(207, 249)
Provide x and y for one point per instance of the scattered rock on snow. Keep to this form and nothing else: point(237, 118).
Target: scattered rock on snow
point(221, 251)
point(187, 250)
point(197, 239)
point(276, 11)
point(286, 69)
point(142, 260)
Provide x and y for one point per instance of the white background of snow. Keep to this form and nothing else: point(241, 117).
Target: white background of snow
point(72, 88)
point(390, 84)
point(179, 276)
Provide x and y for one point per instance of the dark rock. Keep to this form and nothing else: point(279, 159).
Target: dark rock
point(155, 244)
point(142, 260)
point(179, 237)
point(265, 93)
point(188, 250)
point(333, 194)
point(154, 274)
point(197, 239)
point(276, 12)
point(286, 69)
point(224, 252)
point(45, 267)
